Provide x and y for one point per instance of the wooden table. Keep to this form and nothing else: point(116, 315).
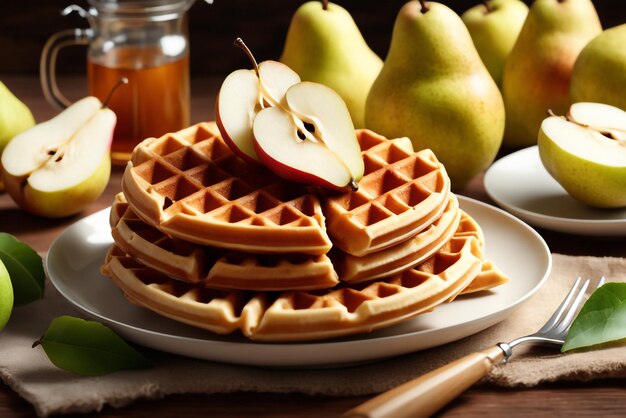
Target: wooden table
point(599, 398)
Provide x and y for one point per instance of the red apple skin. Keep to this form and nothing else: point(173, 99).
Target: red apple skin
point(229, 141)
point(290, 173)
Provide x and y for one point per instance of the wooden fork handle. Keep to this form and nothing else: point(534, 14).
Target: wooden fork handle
point(425, 395)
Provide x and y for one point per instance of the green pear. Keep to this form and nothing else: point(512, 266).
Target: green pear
point(434, 89)
point(6, 296)
point(538, 71)
point(58, 167)
point(325, 46)
point(599, 74)
point(494, 26)
point(585, 152)
point(15, 117)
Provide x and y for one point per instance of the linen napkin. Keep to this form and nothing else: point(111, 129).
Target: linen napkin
point(53, 391)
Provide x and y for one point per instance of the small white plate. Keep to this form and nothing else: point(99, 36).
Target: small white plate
point(74, 259)
point(520, 184)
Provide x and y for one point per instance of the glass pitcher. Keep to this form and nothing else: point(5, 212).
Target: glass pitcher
point(145, 41)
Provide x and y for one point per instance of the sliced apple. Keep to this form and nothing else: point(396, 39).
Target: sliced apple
point(313, 141)
point(58, 167)
point(585, 154)
point(246, 92)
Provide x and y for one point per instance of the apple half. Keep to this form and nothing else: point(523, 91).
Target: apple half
point(243, 94)
point(58, 167)
point(586, 153)
point(312, 140)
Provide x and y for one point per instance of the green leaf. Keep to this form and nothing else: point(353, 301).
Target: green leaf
point(601, 320)
point(88, 348)
point(25, 269)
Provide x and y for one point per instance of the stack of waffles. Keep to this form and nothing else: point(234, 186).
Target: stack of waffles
point(209, 240)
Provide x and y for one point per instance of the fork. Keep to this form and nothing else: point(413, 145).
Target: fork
point(425, 395)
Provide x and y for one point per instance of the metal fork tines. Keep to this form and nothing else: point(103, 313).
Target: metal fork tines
point(555, 329)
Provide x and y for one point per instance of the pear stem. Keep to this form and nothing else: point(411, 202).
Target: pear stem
point(353, 185)
point(241, 44)
point(121, 81)
point(425, 7)
point(487, 6)
point(36, 343)
point(325, 4)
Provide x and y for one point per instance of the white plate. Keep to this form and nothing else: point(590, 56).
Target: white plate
point(520, 184)
point(74, 259)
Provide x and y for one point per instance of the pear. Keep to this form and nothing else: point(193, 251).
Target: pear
point(599, 73)
point(6, 296)
point(243, 94)
point(58, 167)
point(494, 26)
point(585, 152)
point(538, 71)
point(325, 46)
point(434, 88)
point(15, 117)
point(55, 169)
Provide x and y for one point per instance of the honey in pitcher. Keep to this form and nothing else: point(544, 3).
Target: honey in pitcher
point(154, 102)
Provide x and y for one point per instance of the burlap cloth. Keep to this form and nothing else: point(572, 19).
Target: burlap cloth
point(51, 390)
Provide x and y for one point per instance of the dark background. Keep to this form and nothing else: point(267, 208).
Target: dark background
point(25, 25)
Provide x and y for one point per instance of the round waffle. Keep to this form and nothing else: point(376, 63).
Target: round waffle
point(215, 267)
point(392, 260)
point(191, 186)
point(230, 269)
point(306, 315)
point(402, 192)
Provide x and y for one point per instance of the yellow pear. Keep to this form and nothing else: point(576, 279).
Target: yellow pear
point(600, 71)
point(435, 89)
point(15, 117)
point(325, 46)
point(494, 26)
point(538, 71)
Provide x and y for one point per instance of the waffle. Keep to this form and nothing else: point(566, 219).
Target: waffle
point(305, 315)
point(217, 268)
point(392, 260)
point(489, 277)
point(401, 193)
point(191, 186)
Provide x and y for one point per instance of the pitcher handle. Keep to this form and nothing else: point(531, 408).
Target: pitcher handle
point(47, 64)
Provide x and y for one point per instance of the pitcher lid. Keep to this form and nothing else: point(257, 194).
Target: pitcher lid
point(140, 7)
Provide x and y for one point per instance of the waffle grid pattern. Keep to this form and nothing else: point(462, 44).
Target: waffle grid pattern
point(190, 185)
point(215, 267)
point(400, 194)
point(212, 241)
point(401, 256)
point(303, 315)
